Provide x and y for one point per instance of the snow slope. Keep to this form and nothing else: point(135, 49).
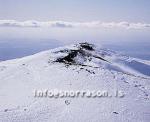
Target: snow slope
point(75, 67)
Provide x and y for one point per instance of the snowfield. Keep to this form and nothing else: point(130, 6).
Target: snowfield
point(75, 67)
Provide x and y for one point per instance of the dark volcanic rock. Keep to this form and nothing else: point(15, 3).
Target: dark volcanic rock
point(83, 51)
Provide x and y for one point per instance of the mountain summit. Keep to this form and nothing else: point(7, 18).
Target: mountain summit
point(78, 67)
point(82, 54)
point(88, 55)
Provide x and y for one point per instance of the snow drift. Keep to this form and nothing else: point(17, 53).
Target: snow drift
point(80, 66)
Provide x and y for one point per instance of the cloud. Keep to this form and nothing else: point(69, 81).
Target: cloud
point(65, 24)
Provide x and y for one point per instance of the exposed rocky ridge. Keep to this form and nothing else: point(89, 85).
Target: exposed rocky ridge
point(84, 51)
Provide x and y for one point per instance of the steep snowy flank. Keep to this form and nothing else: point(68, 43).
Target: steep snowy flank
point(82, 67)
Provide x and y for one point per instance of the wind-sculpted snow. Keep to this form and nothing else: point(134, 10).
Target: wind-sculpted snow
point(85, 54)
point(76, 67)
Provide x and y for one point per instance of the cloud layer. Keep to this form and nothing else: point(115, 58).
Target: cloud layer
point(65, 24)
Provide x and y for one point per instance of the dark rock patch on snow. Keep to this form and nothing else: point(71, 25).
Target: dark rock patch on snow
point(78, 56)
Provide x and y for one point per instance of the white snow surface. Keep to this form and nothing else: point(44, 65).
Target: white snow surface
point(20, 77)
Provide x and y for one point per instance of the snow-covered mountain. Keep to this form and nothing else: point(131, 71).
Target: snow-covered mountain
point(82, 67)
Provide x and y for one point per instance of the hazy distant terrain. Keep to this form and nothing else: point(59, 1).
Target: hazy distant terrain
point(16, 48)
point(135, 49)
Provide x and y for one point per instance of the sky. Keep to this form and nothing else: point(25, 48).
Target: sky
point(70, 20)
point(76, 10)
point(30, 26)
